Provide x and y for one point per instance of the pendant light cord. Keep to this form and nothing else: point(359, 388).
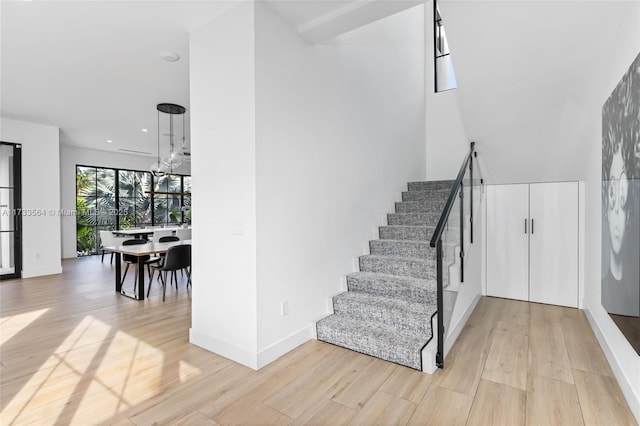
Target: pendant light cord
point(158, 165)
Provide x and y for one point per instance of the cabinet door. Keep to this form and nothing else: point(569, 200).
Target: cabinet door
point(507, 241)
point(554, 243)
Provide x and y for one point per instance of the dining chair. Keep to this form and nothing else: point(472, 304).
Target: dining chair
point(161, 256)
point(159, 233)
point(183, 233)
point(130, 259)
point(178, 257)
point(107, 239)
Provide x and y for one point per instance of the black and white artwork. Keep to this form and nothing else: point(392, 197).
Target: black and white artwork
point(621, 204)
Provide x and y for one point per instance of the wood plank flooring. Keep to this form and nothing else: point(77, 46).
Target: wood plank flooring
point(73, 352)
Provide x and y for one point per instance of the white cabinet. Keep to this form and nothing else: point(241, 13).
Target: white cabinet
point(508, 241)
point(532, 242)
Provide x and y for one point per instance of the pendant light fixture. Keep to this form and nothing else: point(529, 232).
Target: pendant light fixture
point(175, 158)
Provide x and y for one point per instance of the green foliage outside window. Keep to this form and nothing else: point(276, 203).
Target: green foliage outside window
point(109, 199)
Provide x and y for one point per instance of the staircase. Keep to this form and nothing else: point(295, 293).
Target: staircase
point(388, 308)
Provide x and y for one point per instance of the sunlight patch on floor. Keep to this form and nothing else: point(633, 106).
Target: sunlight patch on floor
point(13, 324)
point(62, 378)
point(97, 366)
point(187, 371)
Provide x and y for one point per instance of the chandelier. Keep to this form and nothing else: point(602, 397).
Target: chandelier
point(167, 128)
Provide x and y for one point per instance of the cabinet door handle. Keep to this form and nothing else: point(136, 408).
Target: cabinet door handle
point(525, 225)
point(532, 226)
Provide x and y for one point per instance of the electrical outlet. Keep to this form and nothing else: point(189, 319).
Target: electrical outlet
point(284, 308)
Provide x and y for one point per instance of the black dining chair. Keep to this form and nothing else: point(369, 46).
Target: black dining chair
point(178, 257)
point(168, 239)
point(160, 257)
point(130, 259)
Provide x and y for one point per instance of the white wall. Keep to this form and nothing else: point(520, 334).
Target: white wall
point(521, 101)
point(223, 172)
point(70, 157)
point(291, 203)
point(40, 191)
point(447, 140)
point(340, 132)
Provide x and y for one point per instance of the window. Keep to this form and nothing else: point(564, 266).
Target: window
point(95, 202)
point(168, 201)
point(445, 77)
point(134, 199)
point(186, 200)
point(108, 199)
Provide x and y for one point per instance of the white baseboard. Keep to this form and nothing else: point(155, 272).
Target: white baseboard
point(247, 357)
point(455, 331)
point(276, 350)
point(429, 355)
point(623, 380)
point(224, 348)
point(30, 273)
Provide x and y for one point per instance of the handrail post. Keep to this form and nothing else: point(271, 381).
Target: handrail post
point(471, 199)
point(440, 303)
point(461, 232)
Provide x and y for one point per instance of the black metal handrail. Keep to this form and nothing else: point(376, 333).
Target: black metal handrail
point(437, 234)
point(436, 241)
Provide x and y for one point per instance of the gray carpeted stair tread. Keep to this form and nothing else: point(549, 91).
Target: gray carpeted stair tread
point(419, 206)
point(430, 185)
point(408, 288)
point(401, 248)
point(377, 340)
point(409, 316)
point(406, 232)
point(418, 219)
point(393, 265)
point(423, 195)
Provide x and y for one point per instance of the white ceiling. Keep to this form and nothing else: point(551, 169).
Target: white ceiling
point(93, 68)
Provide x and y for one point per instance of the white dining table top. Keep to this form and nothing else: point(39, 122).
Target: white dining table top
point(147, 248)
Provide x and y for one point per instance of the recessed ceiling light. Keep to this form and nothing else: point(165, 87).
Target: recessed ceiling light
point(109, 141)
point(145, 130)
point(170, 56)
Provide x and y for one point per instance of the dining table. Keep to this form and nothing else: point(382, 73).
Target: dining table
point(139, 251)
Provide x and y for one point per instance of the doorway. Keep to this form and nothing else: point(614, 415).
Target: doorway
point(10, 211)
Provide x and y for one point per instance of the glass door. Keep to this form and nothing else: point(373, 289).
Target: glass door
point(10, 212)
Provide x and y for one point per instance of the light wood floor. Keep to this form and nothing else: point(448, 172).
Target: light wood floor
point(73, 352)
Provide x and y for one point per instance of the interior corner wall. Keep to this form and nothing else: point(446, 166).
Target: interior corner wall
point(447, 140)
point(623, 359)
point(40, 192)
point(340, 132)
point(223, 164)
point(70, 157)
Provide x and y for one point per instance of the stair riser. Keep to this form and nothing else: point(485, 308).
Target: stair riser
point(413, 249)
point(416, 219)
point(420, 206)
point(400, 319)
point(435, 196)
point(405, 233)
point(361, 344)
point(424, 186)
point(403, 267)
point(388, 288)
